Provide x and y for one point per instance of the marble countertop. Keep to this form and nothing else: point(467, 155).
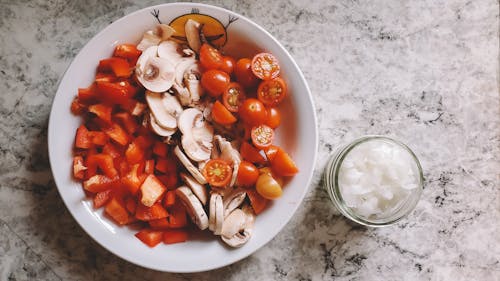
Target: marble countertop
point(425, 72)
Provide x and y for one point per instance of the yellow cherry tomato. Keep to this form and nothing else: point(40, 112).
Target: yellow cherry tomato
point(268, 187)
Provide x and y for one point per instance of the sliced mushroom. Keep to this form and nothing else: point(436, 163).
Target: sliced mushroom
point(224, 150)
point(159, 130)
point(154, 37)
point(164, 31)
point(216, 211)
point(198, 189)
point(187, 82)
point(170, 50)
point(233, 200)
point(196, 135)
point(192, 29)
point(193, 206)
point(165, 108)
point(155, 74)
point(245, 231)
point(189, 166)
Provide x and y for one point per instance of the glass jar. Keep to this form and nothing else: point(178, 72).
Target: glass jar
point(331, 180)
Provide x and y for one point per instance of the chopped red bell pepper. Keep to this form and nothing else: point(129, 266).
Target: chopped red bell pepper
point(105, 77)
point(177, 216)
point(159, 223)
point(117, 210)
point(149, 166)
point(104, 162)
point(169, 180)
point(169, 199)
point(145, 141)
point(150, 237)
point(119, 66)
point(77, 107)
point(167, 166)
point(160, 149)
point(154, 212)
point(98, 138)
point(132, 180)
point(88, 95)
point(101, 198)
point(127, 121)
point(134, 153)
point(117, 133)
point(131, 205)
point(127, 51)
point(78, 167)
point(82, 139)
point(111, 149)
point(171, 236)
point(102, 111)
point(114, 93)
point(99, 183)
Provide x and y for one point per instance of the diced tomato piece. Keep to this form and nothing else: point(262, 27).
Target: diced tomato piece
point(251, 154)
point(114, 93)
point(98, 138)
point(131, 205)
point(165, 165)
point(78, 167)
point(127, 51)
point(151, 190)
point(111, 150)
point(149, 166)
point(105, 77)
point(119, 66)
point(169, 200)
point(271, 152)
point(102, 111)
point(88, 95)
point(177, 216)
point(127, 121)
point(117, 210)
point(159, 223)
point(171, 236)
point(82, 139)
point(150, 237)
point(77, 107)
point(160, 149)
point(132, 180)
point(104, 162)
point(258, 202)
point(99, 183)
point(170, 180)
point(117, 133)
point(134, 153)
point(154, 212)
point(101, 198)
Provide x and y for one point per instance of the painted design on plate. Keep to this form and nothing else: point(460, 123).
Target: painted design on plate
point(214, 31)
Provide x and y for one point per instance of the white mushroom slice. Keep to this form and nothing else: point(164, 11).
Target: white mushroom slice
point(234, 223)
point(192, 29)
point(233, 200)
point(183, 94)
point(169, 50)
point(159, 130)
point(193, 206)
point(216, 211)
point(198, 189)
point(244, 233)
point(182, 67)
point(148, 39)
point(187, 80)
point(164, 31)
point(189, 166)
point(224, 150)
point(154, 73)
point(164, 112)
point(197, 135)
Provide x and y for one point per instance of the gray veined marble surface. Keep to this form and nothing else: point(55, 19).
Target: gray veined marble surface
point(425, 72)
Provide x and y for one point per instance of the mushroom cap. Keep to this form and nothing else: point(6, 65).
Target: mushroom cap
point(189, 166)
point(169, 50)
point(164, 112)
point(198, 189)
point(149, 38)
point(154, 73)
point(193, 206)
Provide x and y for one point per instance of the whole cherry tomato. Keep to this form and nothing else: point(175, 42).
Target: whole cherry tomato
point(215, 82)
point(253, 112)
point(244, 74)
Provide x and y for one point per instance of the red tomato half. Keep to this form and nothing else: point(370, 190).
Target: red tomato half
point(217, 172)
point(265, 66)
point(210, 58)
point(262, 136)
point(233, 97)
point(272, 92)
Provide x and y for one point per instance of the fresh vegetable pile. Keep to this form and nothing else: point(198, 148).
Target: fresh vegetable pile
point(177, 136)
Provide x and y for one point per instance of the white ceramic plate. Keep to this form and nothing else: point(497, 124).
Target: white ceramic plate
point(297, 134)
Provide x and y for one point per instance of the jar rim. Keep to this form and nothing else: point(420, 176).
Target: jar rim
point(331, 181)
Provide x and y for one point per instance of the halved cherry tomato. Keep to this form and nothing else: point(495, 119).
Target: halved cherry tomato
point(262, 136)
point(233, 97)
point(244, 74)
point(283, 164)
point(217, 172)
point(247, 174)
point(251, 154)
point(127, 51)
point(272, 92)
point(228, 64)
point(221, 115)
point(273, 117)
point(215, 82)
point(253, 112)
point(265, 66)
point(210, 58)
